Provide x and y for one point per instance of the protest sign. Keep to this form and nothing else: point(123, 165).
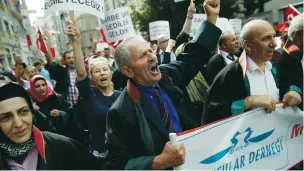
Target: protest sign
point(224, 25)
point(94, 7)
point(196, 21)
point(101, 46)
point(236, 25)
point(253, 140)
point(117, 24)
point(158, 28)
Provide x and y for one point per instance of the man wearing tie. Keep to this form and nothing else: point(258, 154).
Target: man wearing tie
point(166, 53)
point(228, 45)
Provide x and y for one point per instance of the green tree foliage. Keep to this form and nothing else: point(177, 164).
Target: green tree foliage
point(175, 13)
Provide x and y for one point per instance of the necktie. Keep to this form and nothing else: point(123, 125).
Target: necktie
point(164, 113)
point(231, 57)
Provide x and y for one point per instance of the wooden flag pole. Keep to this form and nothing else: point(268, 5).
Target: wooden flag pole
point(72, 16)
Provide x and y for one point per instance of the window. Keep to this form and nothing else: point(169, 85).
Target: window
point(7, 27)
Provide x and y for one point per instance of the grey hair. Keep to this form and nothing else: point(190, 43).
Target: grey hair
point(122, 54)
point(295, 26)
point(245, 34)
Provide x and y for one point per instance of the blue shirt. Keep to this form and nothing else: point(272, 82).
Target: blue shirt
point(150, 93)
point(45, 74)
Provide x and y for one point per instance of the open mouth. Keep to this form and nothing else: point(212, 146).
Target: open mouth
point(103, 79)
point(154, 68)
point(270, 52)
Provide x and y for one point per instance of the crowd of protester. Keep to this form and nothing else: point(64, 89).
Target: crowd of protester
point(115, 109)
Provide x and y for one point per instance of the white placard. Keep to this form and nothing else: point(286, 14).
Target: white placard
point(94, 7)
point(224, 25)
point(251, 141)
point(196, 21)
point(236, 25)
point(101, 46)
point(158, 28)
point(117, 24)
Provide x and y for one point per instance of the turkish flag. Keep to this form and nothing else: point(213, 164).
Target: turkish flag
point(29, 41)
point(282, 27)
point(40, 41)
point(53, 52)
point(290, 13)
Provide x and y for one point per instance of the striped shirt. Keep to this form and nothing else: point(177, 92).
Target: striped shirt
point(73, 91)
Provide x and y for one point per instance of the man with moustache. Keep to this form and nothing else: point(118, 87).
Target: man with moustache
point(228, 45)
point(153, 104)
point(250, 82)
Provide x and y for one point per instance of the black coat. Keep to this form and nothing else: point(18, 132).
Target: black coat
point(291, 72)
point(57, 152)
point(135, 133)
point(55, 101)
point(215, 65)
point(61, 75)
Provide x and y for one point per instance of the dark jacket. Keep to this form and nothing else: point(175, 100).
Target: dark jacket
point(291, 72)
point(57, 152)
point(61, 75)
point(215, 65)
point(55, 101)
point(225, 97)
point(135, 133)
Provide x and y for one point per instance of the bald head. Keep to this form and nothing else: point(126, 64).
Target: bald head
point(258, 40)
point(249, 30)
point(228, 42)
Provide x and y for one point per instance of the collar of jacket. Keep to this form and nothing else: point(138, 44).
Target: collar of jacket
point(290, 47)
point(40, 143)
point(133, 90)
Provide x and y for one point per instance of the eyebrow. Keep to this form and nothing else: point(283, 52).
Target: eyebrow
point(18, 110)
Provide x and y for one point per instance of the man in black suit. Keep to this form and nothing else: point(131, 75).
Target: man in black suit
point(228, 45)
point(153, 104)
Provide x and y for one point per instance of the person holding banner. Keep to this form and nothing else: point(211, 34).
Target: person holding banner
point(250, 82)
point(153, 104)
point(291, 64)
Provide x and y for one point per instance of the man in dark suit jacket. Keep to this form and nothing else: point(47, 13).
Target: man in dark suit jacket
point(153, 105)
point(228, 45)
point(291, 63)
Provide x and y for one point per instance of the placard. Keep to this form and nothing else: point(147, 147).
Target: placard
point(158, 28)
point(94, 7)
point(117, 24)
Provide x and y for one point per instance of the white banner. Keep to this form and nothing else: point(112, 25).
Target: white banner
point(196, 21)
point(224, 25)
point(236, 25)
point(117, 24)
point(279, 42)
point(94, 7)
point(157, 28)
point(253, 140)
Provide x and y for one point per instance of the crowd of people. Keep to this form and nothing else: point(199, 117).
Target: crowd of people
point(115, 110)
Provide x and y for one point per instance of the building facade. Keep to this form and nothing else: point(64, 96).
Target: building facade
point(13, 33)
point(274, 10)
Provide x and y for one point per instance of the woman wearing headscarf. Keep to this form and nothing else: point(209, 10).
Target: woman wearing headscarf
point(25, 147)
point(50, 103)
point(97, 99)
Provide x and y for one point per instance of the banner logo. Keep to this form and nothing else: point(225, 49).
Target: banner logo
point(234, 140)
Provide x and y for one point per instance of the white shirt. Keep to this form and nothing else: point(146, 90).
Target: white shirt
point(227, 60)
point(261, 83)
point(172, 56)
